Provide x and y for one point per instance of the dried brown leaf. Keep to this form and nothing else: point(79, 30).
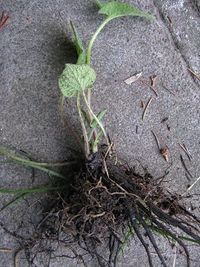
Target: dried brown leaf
point(165, 153)
point(183, 146)
point(153, 79)
point(133, 78)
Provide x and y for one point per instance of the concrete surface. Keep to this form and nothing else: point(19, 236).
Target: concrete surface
point(34, 49)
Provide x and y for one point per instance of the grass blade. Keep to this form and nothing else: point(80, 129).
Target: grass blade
point(28, 163)
point(100, 116)
point(39, 189)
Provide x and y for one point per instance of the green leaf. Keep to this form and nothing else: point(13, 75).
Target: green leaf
point(13, 158)
point(75, 79)
point(76, 39)
point(99, 4)
point(97, 141)
point(100, 116)
point(117, 9)
point(93, 124)
point(81, 59)
point(79, 45)
point(40, 189)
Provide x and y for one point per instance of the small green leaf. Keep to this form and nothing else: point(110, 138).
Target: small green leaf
point(79, 45)
point(117, 9)
point(94, 123)
point(76, 39)
point(81, 59)
point(76, 78)
point(100, 116)
point(97, 141)
point(99, 4)
point(13, 158)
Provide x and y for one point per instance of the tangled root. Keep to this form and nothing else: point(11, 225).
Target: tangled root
point(100, 200)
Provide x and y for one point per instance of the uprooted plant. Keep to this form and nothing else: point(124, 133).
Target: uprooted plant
point(101, 196)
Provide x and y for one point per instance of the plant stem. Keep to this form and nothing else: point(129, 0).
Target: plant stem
point(91, 43)
point(94, 134)
point(96, 119)
point(89, 49)
point(85, 136)
point(88, 61)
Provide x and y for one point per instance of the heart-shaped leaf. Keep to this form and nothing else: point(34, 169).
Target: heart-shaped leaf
point(79, 45)
point(117, 9)
point(76, 78)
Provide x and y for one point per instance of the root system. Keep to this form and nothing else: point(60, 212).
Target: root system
point(103, 198)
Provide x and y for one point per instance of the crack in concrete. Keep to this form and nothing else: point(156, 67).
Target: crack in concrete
point(173, 39)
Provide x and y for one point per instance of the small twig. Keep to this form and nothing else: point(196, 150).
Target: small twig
point(153, 79)
point(3, 20)
point(164, 151)
point(108, 150)
point(146, 107)
point(142, 105)
point(168, 90)
point(151, 87)
point(16, 257)
point(185, 167)
point(50, 213)
point(97, 215)
point(169, 20)
point(186, 151)
point(106, 168)
point(104, 160)
point(189, 188)
point(157, 141)
point(6, 250)
point(195, 74)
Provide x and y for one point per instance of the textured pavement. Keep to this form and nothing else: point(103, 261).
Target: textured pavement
point(34, 47)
